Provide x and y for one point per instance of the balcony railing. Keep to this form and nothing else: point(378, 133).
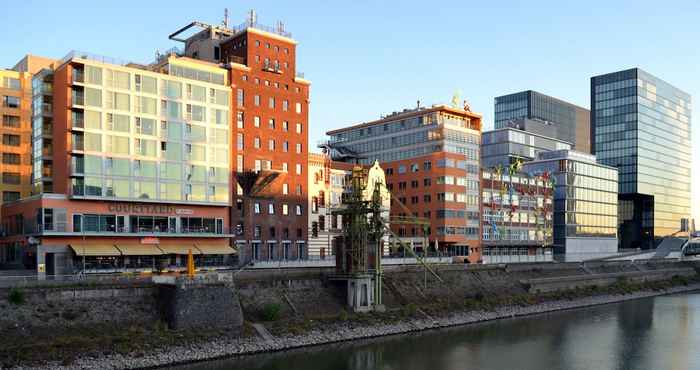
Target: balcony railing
point(78, 76)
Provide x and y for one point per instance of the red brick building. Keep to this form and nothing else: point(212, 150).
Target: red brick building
point(431, 160)
point(269, 135)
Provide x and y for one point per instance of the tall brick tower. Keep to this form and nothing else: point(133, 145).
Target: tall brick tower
point(269, 124)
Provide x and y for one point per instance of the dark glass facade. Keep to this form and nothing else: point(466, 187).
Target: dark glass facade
point(565, 121)
point(641, 125)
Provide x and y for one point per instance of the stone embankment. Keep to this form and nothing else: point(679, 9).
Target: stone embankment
point(340, 331)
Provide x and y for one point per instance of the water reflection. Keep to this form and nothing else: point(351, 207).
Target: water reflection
point(648, 334)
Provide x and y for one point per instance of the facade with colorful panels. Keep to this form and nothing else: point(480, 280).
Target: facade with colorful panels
point(517, 215)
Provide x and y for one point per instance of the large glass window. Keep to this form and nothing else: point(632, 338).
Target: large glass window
point(93, 142)
point(93, 97)
point(173, 89)
point(171, 171)
point(93, 75)
point(171, 191)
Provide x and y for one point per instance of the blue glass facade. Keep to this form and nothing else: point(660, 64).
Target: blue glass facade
point(641, 125)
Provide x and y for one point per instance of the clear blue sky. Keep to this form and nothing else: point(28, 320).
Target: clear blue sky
point(366, 58)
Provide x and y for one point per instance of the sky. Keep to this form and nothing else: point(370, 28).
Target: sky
point(367, 58)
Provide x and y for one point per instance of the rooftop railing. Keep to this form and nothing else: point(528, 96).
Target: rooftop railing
point(94, 57)
point(276, 30)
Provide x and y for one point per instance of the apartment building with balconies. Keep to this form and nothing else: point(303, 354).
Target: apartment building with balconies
point(136, 175)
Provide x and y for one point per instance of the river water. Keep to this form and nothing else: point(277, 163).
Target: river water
point(649, 334)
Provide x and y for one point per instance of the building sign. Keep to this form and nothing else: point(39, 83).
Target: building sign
point(184, 211)
point(150, 240)
point(135, 208)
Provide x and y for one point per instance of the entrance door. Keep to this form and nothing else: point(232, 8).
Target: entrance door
point(50, 262)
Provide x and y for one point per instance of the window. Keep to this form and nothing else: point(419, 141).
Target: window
point(299, 128)
point(10, 196)
point(256, 142)
point(427, 165)
point(271, 123)
point(10, 101)
point(271, 209)
point(285, 105)
point(297, 209)
point(239, 97)
point(271, 102)
point(10, 140)
point(285, 167)
point(285, 126)
point(10, 121)
point(298, 107)
point(257, 100)
point(426, 181)
point(256, 209)
point(298, 168)
point(239, 119)
point(10, 178)
point(10, 158)
point(285, 209)
point(271, 144)
point(256, 121)
point(11, 83)
point(298, 147)
point(239, 141)
point(285, 146)
point(285, 189)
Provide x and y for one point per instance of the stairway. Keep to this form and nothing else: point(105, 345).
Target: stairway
point(668, 245)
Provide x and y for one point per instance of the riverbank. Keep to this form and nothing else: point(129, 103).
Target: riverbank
point(355, 327)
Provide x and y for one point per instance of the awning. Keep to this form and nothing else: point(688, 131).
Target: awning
point(179, 249)
point(139, 249)
point(215, 249)
point(95, 250)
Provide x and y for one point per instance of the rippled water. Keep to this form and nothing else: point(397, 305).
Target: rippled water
point(649, 334)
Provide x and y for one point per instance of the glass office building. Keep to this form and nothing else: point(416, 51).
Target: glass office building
point(507, 145)
point(545, 115)
point(585, 203)
point(641, 125)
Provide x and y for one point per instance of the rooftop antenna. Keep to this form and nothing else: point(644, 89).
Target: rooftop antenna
point(225, 17)
point(252, 17)
point(418, 104)
point(280, 27)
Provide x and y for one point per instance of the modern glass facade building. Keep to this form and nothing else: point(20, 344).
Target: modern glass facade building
point(585, 203)
point(507, 145)
point(641, 125)
point(547, 115)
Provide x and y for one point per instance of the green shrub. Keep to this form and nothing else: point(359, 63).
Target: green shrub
point(343, 315)
point(16, 296)
point(271, 312)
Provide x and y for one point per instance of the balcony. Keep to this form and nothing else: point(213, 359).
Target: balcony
point(78, 100)
point(78, 146)
point(272, 67)
point(78, 76)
